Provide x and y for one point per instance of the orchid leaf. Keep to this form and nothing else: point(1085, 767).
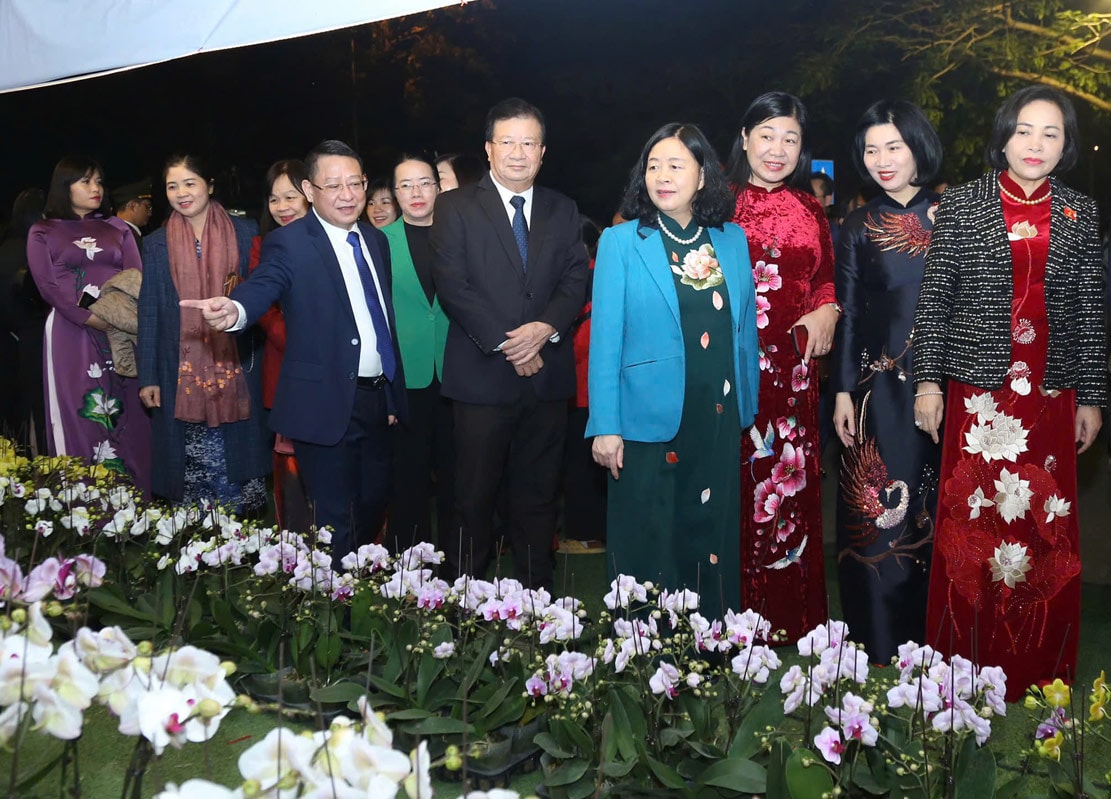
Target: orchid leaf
point(807, 777)
point(737, 774)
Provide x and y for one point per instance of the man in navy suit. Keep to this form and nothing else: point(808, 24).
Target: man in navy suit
point(341, 384)
point(510, 271)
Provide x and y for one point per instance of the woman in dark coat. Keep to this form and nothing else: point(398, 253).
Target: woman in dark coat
point(888, 485)
point(1011, 316)
point(203, 387)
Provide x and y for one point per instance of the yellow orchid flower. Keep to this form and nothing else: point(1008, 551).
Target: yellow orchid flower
point(1057, 694)
point(1051, 747)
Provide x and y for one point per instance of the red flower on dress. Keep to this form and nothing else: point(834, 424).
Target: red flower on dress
point(767, 277)
point(762, 308)
point(768, 499)
point(790, 473)
point(969, 537)
point(800, 377)
point(1071, 214)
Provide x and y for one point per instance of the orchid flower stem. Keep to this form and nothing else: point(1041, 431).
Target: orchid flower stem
point(140, 760)
point(24, 726)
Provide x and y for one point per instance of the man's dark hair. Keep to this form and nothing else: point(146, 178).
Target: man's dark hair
point(328, 147)
point(513, 108)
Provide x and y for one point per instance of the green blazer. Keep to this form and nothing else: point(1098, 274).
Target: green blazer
point(421, 328)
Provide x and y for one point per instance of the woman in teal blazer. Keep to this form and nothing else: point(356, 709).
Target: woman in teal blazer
point(674, 371)
point(423, 447)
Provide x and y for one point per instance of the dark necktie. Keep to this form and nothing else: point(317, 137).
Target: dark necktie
point(520, 229)
point(377, 312)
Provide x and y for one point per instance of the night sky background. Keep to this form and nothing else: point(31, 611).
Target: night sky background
point(606, 73)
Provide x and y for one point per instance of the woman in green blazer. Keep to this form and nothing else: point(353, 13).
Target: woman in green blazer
point(424, 455)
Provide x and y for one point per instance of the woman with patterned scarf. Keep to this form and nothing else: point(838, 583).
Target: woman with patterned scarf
point(210, 442)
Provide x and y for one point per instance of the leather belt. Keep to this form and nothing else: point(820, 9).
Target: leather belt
point(372, 382)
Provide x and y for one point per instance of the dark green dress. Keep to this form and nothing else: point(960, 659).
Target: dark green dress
point(673, 515)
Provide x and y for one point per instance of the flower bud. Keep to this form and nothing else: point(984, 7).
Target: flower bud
point(209, 708)
point(146, 648)
point(228, 667)
point(19, 615)
point(54, 609)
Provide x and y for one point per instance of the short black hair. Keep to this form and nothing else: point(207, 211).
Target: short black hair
point(67, 172)
point(424, 159)
point(513, 108)
point(713, 204)
point(916, 130)
point(1006, 120)
point(769, 106)
point(292, 169)
point(26, 211)
point(468, 168)
point(826, 181)
point(328, 147)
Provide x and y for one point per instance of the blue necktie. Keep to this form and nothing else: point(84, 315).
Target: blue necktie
point(377, 313)
point(520, 229)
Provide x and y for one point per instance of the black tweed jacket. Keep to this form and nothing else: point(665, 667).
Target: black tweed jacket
point(962, 325)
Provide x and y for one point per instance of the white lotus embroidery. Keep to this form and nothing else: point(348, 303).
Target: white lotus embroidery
point(88, 244)
point(1010, 564)
point(1013, 499)
point(1056, 508)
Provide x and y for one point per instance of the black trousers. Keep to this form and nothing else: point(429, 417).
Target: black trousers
point(423, 469)
point(584, 483)
point(348, 483)
point(520, 445)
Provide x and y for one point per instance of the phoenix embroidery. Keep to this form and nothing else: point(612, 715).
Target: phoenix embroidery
point(898, 233)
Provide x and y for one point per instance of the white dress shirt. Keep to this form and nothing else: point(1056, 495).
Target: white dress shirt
point(506, 195)
point(370, 362)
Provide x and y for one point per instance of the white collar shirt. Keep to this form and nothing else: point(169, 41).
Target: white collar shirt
point(506, 195)
point(370, 362)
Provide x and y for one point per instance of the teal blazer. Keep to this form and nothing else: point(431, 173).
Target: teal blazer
point(637, 373)
point(421, 328)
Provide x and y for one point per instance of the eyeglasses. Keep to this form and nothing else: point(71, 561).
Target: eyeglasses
point(528, 145)
point(353, 186)
point(409, 188)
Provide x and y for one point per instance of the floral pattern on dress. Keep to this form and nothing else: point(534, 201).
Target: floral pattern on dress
point(700, 270)
point(995, 501)
point(772, 497)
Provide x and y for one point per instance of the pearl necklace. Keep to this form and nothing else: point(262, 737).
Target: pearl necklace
point(672, 236)
point(1022, 200)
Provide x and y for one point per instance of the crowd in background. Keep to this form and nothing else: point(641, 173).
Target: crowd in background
point(440, 353)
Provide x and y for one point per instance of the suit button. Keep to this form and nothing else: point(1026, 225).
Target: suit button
point(528, 296)
point(355, 342)
point(350, 375)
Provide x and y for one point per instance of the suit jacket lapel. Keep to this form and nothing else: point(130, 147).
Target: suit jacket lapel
point(385, 277)
point(729, 271)
point(538, 227)
point(327, 255)
point(1062, 232)
point(994, 230)
point(653, 256)
point(490, 201)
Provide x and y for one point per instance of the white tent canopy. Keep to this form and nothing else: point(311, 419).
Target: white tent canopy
point(52, 41)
